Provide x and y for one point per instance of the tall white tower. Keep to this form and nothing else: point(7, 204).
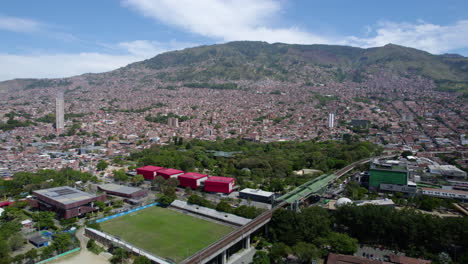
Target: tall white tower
point(59, 113)
point(331, 120)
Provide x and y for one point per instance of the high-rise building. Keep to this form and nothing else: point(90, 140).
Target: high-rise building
point(173, 121)
point(59, 113)
point(331, 120)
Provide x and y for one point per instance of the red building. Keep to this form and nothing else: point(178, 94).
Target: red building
point(5, 203)
point(169, 173)
point(192, 179)
point(148, 172)
point(219, 184)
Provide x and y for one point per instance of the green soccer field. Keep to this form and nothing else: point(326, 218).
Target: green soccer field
point(165, 233)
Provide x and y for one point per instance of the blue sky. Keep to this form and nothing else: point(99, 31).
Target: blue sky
point(52, 38)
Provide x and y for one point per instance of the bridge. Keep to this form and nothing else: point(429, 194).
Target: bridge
point(219, 251)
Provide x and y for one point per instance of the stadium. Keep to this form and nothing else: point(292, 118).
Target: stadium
point(169, 234)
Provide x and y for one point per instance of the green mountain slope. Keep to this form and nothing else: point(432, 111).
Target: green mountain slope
point(253, 61)
point(257, 60)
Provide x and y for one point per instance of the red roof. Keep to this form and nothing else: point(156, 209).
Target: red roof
point(220, 179)
point(170, 171)
point(193, 175)
point(5, 203)
point(150, 168)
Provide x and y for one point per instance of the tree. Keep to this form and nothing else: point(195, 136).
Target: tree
point(339, 243)
point(165, 200)
point(142, 260)
point(100, 204)
point(188, 191)
point(47, 252)
point(4, 252)
point(278, 252)
point(62, 242)
point(354, 191)
point(138, 179)
point(406, 153)
point(223, 206)
point(305, 252)
point(261, 257)
point(102, 165)
point(16, 241)
point(120, 175)
point(91, 243)
point(159, 181)
point(44, 220)
point(31, 255)
point(173, 182)
point(119, 256)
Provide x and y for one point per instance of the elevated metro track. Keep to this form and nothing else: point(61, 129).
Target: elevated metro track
point(304, 190)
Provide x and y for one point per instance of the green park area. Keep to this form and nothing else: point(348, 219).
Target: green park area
point(165, 233)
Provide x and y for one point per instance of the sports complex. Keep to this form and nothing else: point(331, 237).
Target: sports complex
point(167, 233)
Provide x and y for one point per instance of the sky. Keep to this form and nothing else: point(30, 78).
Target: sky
point(56, 38)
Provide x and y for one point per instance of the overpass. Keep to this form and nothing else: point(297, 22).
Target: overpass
point(218, 252)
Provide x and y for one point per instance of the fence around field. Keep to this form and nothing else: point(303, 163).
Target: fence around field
point(125, 212)
point(58, 256)
point(107, 239)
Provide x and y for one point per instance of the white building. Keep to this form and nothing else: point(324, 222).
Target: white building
point(331, 120)
point(59, 113)
point(445, 193)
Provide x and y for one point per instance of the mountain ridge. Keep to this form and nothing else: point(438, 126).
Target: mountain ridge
point(254, 61)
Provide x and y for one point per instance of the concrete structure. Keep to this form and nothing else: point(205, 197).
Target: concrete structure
point(219, 184)
point(123, 191)
point(192, 179)
point(410, 189)
point(343, 201)
point(39, 241)
point(148, 172)
point(173, 121)
point(257, 195)
point(387, 172)
point(169, 173)
point(211, 213)
point(380, 202)
point(59, 113)
point(331, 120)
point(67, 201)
point(445, 193)
point(448, 171)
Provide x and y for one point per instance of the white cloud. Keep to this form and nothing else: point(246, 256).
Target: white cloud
point(69, 64)
point(426, 36)
point(17, 24)
point(229, 20)
point(224, 20)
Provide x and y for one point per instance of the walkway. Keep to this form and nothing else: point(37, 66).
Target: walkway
point(83, 256)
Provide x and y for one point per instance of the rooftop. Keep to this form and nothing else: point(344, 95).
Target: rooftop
point(194, 175)
point(65, 194)
point(170, 171)
point(257, 192)
point(220, 179)
point(151, 168)
point(445, 190)
point(118, 188)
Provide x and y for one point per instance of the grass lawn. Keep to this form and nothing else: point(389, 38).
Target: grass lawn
point(165, 232)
